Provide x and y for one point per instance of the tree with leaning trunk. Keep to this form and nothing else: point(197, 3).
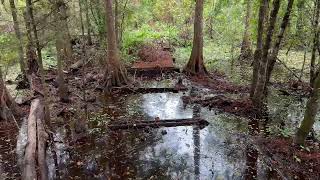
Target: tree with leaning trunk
point(196, 64)
point(115, 74)
point(310, 114)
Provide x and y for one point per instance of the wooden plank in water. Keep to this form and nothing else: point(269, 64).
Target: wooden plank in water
point(158, 124)
point(150, 72)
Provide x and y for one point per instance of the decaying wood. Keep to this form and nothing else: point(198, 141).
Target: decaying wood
point(35, 153)
point(29, 170)
point(151, 72)
point(158, 123)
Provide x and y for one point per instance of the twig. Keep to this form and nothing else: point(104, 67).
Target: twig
point(293, 73)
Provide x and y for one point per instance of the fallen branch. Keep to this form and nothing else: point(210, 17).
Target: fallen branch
point(158, 123)
point(293, 73)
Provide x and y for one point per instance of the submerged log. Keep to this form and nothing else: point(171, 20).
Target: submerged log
point(152, 72)
point(126, 90)
point(158, 123)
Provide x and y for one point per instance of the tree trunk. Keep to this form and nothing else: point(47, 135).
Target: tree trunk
point(81, 18)
point(310, 114)
point(116, 19)
point(18, 35)
point(63, 47)
point(32, 63)
point(246, 51)
point(259, 95)
point(8, 107)
point(196, 64)
point(29, 7)
point(315, 43)
point(88, 22)
point(116, 74)
point(258, 51)
point(275, 50)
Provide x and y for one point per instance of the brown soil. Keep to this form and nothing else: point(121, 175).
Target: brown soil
point(152, 57)
point(239, 107)
point(292, 160)
point(217, 83)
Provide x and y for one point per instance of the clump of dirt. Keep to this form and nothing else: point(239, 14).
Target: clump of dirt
point(152, 56)
point(217, 82)
point(239, 107)
point(294, 161)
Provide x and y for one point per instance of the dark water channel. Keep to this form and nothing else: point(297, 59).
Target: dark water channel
point(222, 150)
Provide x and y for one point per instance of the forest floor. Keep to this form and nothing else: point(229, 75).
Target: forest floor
point(99, 152)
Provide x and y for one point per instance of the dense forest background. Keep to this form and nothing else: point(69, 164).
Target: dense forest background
point(145, 21)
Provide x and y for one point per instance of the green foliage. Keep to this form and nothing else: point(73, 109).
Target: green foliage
point(8, 55)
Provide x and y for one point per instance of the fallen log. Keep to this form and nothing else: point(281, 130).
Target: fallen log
point(152, 72)
point(29, 169)
point(158, 123)
point(126, 90)
point(35, 153)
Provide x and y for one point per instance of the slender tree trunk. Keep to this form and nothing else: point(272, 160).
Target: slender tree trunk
point(29, 7)
point(88, 21)
point(18, 35)
point(300, 21)
point(63, 47)
point(258, 51)
point(116, 74)
point(81, 17)
point(315, 42)
point(116, 19)
point(310, 114)
point(275, 50)
point(259, 95)
point(196, 64)
point(246, 51)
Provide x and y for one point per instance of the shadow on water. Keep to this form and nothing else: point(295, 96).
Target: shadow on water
point(219, 151)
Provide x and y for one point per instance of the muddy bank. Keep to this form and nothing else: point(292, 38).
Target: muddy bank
point(239, 107)
point(218, 83)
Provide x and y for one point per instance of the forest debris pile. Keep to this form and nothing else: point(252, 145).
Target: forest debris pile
point(294, 87)
point(294, 161)
point(153, 57)
point(217, 82)
point(239, 107)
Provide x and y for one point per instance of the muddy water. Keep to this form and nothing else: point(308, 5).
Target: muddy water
point(219, 151)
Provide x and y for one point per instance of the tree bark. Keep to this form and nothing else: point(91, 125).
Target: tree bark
point(116, 74)
point(196, 64)
point(246, 51)
point(259, 95)
point(275, 50)
point(18, 35)
point(258, 51)
point(310, 114)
